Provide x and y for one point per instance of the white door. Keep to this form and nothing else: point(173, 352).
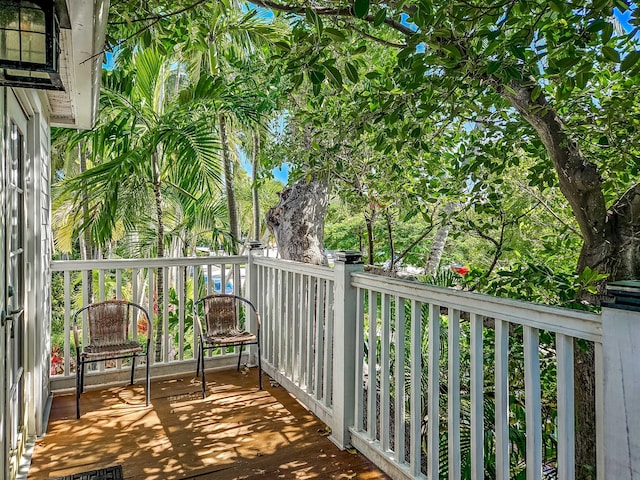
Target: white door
point(14, 285)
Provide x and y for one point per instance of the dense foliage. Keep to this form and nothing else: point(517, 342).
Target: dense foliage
point(500, 136)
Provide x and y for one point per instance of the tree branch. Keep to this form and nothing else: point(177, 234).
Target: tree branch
point(548, 208)
point(336, 12)
point(158, 17)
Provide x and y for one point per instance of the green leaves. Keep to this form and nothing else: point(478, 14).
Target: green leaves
point(335, 34)
point(316, 77)
point(630, 60)
point(610, 54)
point(361, 8)
point(380, 17)
point(335, 76)
point(313, 18)
point(352, 72)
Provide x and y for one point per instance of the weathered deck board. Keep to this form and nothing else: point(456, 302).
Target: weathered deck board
point(237, 432)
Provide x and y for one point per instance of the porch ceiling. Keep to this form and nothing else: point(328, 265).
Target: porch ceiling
point(80, 65)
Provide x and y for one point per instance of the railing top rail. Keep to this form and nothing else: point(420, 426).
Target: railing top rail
point(80, 265)
point(574, 323)
point(319, 271)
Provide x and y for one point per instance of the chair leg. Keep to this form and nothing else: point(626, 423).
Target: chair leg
point(78, 370)
point(82, 377)
point(204, 380)
point(259, 365)
point(240, 356)
point(133, 367)
point(200, 352)
point(148, 385)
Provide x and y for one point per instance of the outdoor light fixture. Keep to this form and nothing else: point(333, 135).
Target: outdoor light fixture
point(30, 43)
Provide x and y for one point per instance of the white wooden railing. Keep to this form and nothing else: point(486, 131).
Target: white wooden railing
point(433, 323)
point(416, 377)
point(295, 302)
point(184, 280)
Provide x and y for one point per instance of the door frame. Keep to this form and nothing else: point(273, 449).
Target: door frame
point(14, 430)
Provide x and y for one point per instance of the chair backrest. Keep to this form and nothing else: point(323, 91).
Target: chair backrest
point(108, 321)
point(221, 313)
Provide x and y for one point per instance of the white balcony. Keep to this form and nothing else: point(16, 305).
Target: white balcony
point(375, 359)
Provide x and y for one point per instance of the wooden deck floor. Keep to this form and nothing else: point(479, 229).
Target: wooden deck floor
point(237, 432)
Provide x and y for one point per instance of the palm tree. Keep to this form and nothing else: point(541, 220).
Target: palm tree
point(161, 150)
point(231, 52)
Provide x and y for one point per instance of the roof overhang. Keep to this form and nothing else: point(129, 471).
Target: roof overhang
point(81, 58)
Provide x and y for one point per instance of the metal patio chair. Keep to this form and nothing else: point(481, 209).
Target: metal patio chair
point(111, 325)
point(222, 328)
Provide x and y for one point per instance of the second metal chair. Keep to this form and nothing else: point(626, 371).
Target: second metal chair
point(222, 328)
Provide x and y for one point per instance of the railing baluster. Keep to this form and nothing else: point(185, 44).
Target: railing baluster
point(502, 399)
point(280, 332)
point(533, 403)
point(399, 405)
point(453, 394)
point(372, 414)
point(118, 283)
point(433, 393)
point(165, 315)
point(134, 299)
point(311, 302)
point(67, 323)
point(359, 377)
point(566, 418)
point(101, 283)
point(415, 437)
point(196, 324)
point(320, 333)
point(328, 344)
point(85, 301)
point(181, 307)
point(289, 334)
point(118, 297)
point(385, 381)
point(477, 398)
point(300, 331)
point(152, 313)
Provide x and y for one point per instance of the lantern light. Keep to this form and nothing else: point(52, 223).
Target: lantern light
point(30, 43)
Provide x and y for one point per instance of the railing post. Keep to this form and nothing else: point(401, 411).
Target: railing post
point(621, 409)
point(344, 346)
point(251, 283)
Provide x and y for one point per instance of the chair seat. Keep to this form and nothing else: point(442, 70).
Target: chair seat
point(231, 337)
point(112, 350)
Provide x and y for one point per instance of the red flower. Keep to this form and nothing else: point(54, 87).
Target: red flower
point(460, 269)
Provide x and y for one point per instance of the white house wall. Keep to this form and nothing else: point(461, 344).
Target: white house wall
point(37, 255)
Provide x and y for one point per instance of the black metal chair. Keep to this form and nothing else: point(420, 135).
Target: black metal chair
point(222, 328)
point(111, 324)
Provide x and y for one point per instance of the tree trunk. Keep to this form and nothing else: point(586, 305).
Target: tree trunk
point(229, 185)
point(392, 250)
point(86, 250)
point(160, 254)
point(297, 222)
point(611, 243)
point(368, 221)
point(439, 241)
point(254, 185)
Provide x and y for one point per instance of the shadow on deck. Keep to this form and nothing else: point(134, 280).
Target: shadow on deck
point(236, 432)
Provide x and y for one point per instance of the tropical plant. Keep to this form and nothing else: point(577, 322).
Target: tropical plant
point(161, 150)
